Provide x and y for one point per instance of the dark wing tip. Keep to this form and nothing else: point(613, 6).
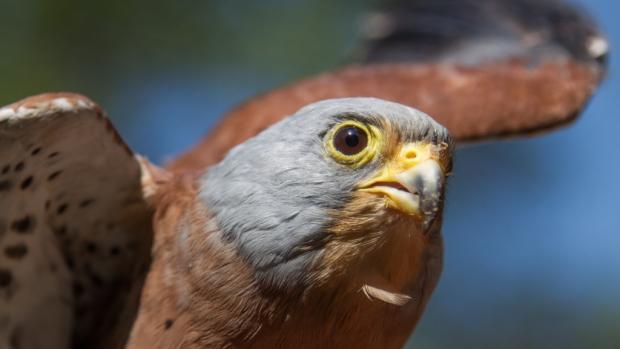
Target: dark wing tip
point(478, 31)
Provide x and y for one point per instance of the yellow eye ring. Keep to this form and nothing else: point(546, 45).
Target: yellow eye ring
point(353, 143)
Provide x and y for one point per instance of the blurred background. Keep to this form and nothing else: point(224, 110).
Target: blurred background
point(532, 227)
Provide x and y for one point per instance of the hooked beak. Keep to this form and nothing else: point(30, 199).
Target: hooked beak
point(412, 183)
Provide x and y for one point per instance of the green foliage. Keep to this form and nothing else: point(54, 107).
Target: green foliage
point(91, 46)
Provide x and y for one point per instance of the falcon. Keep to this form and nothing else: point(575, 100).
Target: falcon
point(310, 217)
point(323, 230)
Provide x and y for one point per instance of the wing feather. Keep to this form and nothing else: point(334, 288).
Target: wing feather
point(486, 69)
point(75, 227)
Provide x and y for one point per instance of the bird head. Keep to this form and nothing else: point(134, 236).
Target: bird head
point(331, 191)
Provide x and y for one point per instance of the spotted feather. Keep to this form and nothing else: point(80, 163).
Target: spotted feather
point(74, 224)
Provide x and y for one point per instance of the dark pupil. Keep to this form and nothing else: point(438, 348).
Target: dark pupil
point(350, 140)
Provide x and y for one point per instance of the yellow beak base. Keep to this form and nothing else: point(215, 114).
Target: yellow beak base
point(412, 183)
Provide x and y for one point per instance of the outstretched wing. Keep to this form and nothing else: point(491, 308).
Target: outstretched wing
point(483, 68)
point(75, 228)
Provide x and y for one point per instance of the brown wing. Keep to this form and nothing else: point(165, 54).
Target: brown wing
point(75, 226)
point(485, 69)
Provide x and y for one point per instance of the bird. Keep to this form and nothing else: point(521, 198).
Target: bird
point(304, 235)
point(310, 216)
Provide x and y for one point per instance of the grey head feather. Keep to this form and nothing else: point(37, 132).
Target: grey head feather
point(272, 195)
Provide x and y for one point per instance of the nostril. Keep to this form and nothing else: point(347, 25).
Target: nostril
point(411, 154)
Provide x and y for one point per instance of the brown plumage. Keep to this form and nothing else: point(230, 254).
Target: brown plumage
point(474, 103)
point(200, 294)
point(204, 296)
point(486, 69)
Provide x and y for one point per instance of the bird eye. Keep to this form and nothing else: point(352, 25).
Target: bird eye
point(353, 143)
point(350, 140)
